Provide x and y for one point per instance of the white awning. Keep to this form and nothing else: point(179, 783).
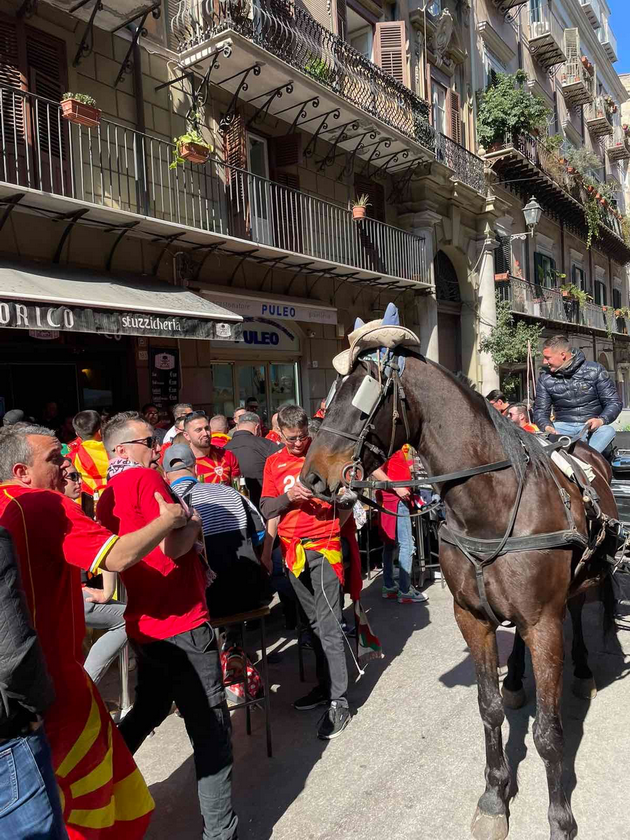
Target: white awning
point(49, 297)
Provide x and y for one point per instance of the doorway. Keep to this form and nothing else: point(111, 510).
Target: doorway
point(258, 164)
point(271, 384)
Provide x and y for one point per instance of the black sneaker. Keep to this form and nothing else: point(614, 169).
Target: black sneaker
point(334, 721)
point(316, 697)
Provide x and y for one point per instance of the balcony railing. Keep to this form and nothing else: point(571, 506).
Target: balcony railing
point(114, 166)
point(577, 83)
point(618, 146)
point(291, 34)
point(598, 117)
point(546, 36)
point(550, 305)
point(592, 12)
point(466, 166)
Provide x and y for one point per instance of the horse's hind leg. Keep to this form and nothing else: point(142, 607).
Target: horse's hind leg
point(512, 690)
point(490, 821)
point(583, 682)
point(546, 645)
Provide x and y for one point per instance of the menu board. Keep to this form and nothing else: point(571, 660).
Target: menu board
point(165, 380)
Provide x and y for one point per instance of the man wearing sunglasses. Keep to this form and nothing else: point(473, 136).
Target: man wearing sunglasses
point(215, 465)
point(168, 623)
point(309, 532)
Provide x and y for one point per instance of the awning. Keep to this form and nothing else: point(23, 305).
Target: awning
point(49, 297)
point(278, 307)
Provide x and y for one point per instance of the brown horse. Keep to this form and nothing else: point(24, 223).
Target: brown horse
point(454, 428)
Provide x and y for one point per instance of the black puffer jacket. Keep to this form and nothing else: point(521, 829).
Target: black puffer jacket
point(578, 392)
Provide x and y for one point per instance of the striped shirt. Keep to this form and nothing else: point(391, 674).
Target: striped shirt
point(221, 508)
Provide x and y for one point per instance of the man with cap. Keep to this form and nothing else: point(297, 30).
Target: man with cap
point(232, 528)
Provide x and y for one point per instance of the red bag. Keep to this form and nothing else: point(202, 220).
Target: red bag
point(234, 662)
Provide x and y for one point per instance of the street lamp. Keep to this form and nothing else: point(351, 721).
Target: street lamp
point(532, 212)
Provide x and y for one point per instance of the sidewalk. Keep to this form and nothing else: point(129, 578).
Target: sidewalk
point(410, 765)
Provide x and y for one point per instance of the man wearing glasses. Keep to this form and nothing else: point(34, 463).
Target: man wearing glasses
point(309, 532)
point(215, 465)
point(168, 623)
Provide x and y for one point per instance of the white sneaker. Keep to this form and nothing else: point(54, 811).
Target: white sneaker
point(414, 596)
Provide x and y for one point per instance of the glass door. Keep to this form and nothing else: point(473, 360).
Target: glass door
point(259, 189)
point(251, 384)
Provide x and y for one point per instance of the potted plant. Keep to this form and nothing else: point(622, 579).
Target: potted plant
point(192, 147)
point(573, 293)
point(359, 207)
point(507, 109)
point(80, 108)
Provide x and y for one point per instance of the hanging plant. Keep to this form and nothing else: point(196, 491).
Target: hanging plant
point(507, 109)
point(507, 341)
point(192, 147)
point(593, 218)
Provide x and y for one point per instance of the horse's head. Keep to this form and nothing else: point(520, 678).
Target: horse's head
point(338, 444)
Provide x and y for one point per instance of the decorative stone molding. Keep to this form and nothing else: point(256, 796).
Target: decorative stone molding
point(444, 49)
point(495, 42)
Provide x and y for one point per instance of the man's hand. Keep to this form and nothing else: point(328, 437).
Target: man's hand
point(551, 430)
point(172, 514)
point(403, 492)
point(594, 423)
point(96, 596)
point(266, 561)
point(298, 493)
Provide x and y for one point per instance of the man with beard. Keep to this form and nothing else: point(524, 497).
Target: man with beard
point(215, 465)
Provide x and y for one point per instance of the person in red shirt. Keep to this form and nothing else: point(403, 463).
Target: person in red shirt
point(214, 464)
point(519, 415)
point(168, 623)
point(274, 433)
point(309, 532)
point(396, 530)
point(219, 430)
point(103, 795)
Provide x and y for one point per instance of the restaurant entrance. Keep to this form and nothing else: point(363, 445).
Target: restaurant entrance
point(271, 384)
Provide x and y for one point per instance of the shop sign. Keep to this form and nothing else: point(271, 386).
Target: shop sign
point(263, 334)
point(280, 310)
point(42, 317)
point(44, 335)
point(164, 375)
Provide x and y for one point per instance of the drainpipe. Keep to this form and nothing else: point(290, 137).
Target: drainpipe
point(140, 151)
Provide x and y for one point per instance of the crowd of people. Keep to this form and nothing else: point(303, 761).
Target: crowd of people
point(199, 517)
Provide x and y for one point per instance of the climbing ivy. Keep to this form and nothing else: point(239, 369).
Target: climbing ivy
point(507, 341)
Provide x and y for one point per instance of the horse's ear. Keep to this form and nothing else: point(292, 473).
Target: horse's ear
point(391, 318)
point(359, 322)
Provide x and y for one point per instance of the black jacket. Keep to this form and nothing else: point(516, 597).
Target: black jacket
point(578, 392)
point(251, 453)
point(26, 689)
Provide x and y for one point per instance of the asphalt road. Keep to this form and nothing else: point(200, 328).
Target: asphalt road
point(410, 765)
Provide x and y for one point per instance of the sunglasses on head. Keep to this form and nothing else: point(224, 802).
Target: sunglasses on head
point(150, 442)
point(194, 414)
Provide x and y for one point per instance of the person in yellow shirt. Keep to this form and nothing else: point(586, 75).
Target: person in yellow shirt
point(90, 459)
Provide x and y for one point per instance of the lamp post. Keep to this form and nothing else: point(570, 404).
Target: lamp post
point(532, 212)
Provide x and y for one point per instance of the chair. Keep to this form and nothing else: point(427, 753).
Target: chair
point(260, 615)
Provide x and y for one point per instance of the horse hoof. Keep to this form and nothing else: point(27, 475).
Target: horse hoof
point(489, 826)
point(584, 688)
point(513, 699)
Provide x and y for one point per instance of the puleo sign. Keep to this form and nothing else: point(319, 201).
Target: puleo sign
point(30, 316)
point(280, 309)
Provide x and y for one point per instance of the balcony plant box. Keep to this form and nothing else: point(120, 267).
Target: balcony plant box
point(191, 147)
point(194, 152)
point(80, 109)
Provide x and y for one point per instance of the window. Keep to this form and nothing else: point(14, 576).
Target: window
point(535, 11)
point(434, 7)
point(503, 255)
point(545, 271)
point(579, 278)
point(362, 42)
point(439, 107)
point(616, 297)
point(493, 67)
point(601, 293)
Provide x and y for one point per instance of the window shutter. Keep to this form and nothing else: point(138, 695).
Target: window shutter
point(616, 298)
point(539, 273)
point(390, 49)
point(342, 19)
point(503, 255)
point(284, 153)
point(235, 154)
point(234, 144)
point(456, 120)
point(46, 60)
point(572, 44)
point(11, 77)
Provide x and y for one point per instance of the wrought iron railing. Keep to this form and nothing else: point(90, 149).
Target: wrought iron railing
point(289, 32)
point(467, 166)
point(598, 110)
point(114, 166)
point(548, 304)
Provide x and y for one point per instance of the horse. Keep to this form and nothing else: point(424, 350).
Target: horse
point(453, 428)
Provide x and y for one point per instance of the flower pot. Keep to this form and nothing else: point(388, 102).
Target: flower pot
point(194, 152)
point(358, 213)
point(80, 114)
point(571, 170)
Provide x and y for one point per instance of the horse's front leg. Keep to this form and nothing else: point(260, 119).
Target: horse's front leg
point(491, 818)
point(546, 644)
point(583, 682)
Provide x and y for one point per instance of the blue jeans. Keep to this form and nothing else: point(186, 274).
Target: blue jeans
point(404, 538)
point(29, 798)
point(599, 439)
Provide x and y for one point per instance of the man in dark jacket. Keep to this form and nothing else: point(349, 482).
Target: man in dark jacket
point(26, 692)
point(580, 392)
point(251, 452)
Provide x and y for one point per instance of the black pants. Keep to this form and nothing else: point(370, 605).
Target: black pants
point(317, 589)
point(186, 669)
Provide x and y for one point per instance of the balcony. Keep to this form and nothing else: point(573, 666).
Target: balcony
point(608, 42)
point(120, 179)
point(545, 304)
point(577, 84)
point(506, 6)
point(296, 49)
point(108, 16)
point(466, 166)
point(598, 118)
point(618, 145)
point(546, 37)
point(592, 11)
point(531, 169)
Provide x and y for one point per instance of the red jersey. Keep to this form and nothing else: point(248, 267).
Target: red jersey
point(397, 468)
point(309, 519)
point(219, 466)
point(95, 772)
point(219, 439)
point(274, 436)
point(164, 596)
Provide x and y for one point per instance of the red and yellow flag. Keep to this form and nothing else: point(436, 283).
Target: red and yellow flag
point(294, 552)
point(91, 462)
